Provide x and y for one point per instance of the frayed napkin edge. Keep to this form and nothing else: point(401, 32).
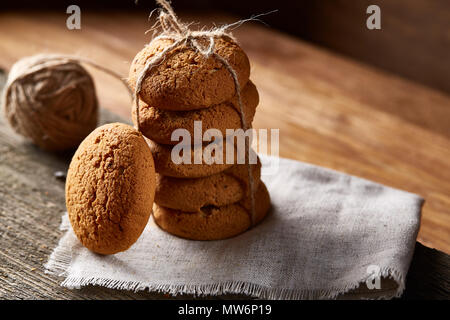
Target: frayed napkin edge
point(60, 260)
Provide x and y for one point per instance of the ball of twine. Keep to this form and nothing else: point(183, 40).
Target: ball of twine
point(51, 100)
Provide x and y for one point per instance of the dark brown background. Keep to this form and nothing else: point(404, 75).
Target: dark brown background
point(414, 41)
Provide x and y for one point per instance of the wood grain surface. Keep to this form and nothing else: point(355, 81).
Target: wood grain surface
point(331, 111)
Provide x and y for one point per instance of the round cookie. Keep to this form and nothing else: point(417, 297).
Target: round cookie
point(185, 79)
point(165, 166)
point(158, 124)
point(220, 189)
point(110, 188)
point(212, 223)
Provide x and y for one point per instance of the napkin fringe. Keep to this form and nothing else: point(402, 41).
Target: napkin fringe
point(233, 287)
point(61, 258)
point(237, 287)
point(388, 272)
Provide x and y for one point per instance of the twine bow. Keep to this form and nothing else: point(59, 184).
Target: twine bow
point(180, 34)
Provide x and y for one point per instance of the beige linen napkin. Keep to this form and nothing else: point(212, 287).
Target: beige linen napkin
point(329, 235)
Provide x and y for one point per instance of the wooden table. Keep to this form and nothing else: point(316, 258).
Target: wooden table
point(331, 111)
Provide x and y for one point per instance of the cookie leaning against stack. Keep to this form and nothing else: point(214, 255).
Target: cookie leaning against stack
point(110, 188)
point(198, 201)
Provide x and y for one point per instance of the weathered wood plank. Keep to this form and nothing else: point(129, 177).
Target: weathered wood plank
point(31, 205)
point(428, 276)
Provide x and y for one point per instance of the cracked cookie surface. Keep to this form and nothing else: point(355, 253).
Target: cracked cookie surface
point(211, 222)
point(110, 188)
point(220, 189)
point(158, 124)
point(185, 79)
point(162, 155)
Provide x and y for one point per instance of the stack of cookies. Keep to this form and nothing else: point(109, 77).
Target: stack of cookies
point(199, 201)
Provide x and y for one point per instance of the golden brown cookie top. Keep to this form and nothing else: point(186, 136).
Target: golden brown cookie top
point(110, 188)
point(186, 80)
point(158, 124)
